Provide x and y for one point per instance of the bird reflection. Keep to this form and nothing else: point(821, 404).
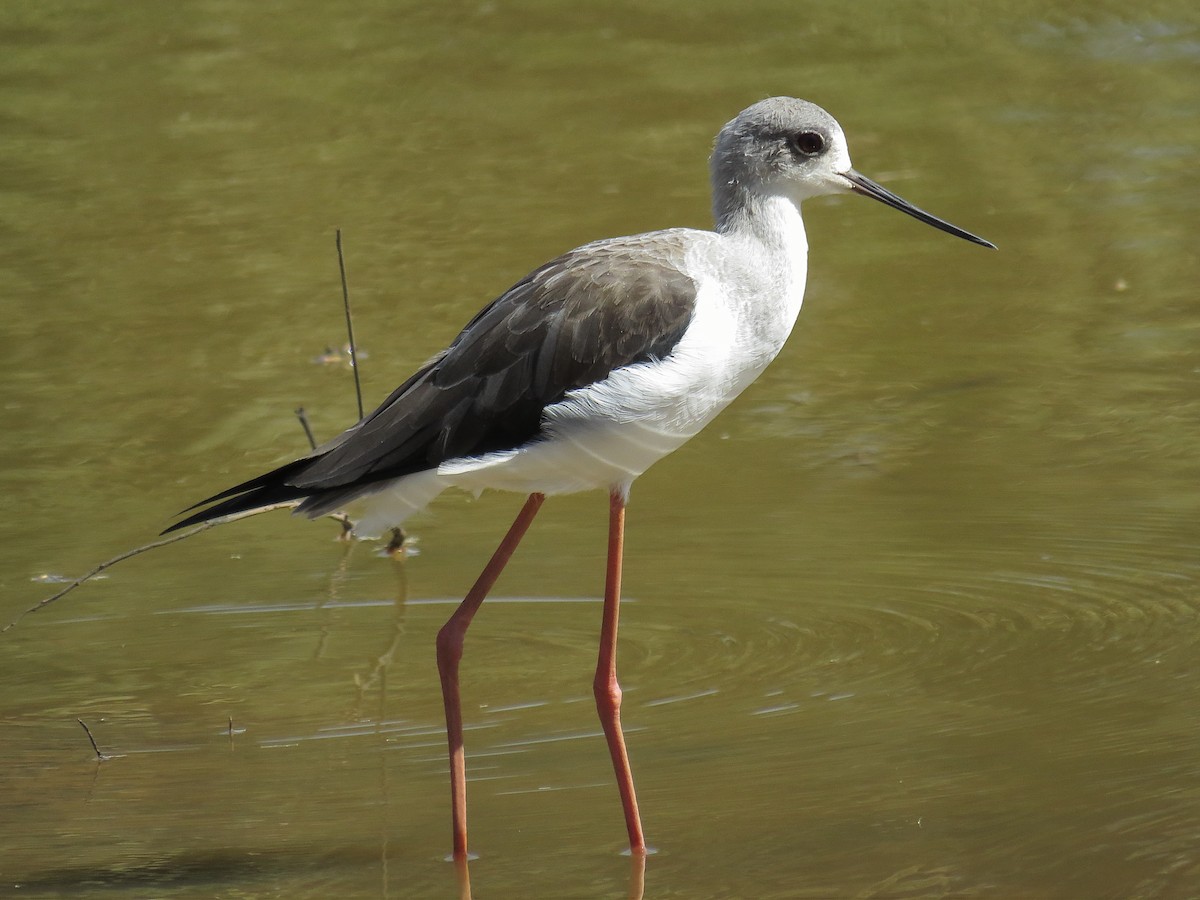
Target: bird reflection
point(637, 876)
point(373, 679)
point(462, 871)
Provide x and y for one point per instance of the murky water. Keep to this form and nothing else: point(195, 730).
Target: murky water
point(916, 617)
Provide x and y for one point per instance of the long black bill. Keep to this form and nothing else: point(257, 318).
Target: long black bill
point(861, 184)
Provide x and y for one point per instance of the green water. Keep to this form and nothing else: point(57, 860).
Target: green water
point(916, 617)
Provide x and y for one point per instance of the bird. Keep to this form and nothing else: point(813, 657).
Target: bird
point(582, 375)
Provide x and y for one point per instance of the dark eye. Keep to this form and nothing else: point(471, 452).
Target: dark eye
point(806, 143)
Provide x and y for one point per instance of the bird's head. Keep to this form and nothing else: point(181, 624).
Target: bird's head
point(784, 146)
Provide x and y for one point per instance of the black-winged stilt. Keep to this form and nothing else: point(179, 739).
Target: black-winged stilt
point(580, 376)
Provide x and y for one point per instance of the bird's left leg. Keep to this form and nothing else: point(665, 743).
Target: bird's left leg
point(605, 686)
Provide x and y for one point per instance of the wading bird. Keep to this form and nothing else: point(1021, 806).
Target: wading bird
point(584, 373)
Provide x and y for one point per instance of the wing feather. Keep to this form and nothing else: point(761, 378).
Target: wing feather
point(564, 326)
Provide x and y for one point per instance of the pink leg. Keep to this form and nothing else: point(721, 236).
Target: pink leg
point(449, 652)
point(605, 687)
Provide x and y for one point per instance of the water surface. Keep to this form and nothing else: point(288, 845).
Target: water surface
point(916, 617)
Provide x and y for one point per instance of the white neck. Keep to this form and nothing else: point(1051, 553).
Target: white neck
point(768, 250)
point(771, 220)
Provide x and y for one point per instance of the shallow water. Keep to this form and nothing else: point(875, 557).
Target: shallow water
point(916, 617)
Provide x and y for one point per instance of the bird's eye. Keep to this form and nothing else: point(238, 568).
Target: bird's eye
point(806, 143)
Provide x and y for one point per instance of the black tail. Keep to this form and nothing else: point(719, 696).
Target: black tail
point(265, 490)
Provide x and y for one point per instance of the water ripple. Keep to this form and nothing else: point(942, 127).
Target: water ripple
point(1059, 609)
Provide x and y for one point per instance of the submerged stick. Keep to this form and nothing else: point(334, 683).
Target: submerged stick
point(347, 525)
point(100, 757)
point(349, 325)
point(395, 544)
point(129, 554)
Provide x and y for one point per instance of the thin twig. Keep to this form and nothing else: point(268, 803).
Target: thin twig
point(347, 526)
point(128, 554)
point(347, 532)
point(100, 757)
point(349, 325)
point(308, 432)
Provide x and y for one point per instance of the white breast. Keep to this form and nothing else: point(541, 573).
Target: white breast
point(607, 434)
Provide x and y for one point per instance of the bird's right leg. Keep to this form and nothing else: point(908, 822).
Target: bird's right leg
point(449, 652)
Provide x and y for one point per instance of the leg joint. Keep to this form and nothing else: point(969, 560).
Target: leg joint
point(608, 693)
point(450, 643)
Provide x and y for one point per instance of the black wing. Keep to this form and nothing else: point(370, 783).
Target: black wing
point(566, 325)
